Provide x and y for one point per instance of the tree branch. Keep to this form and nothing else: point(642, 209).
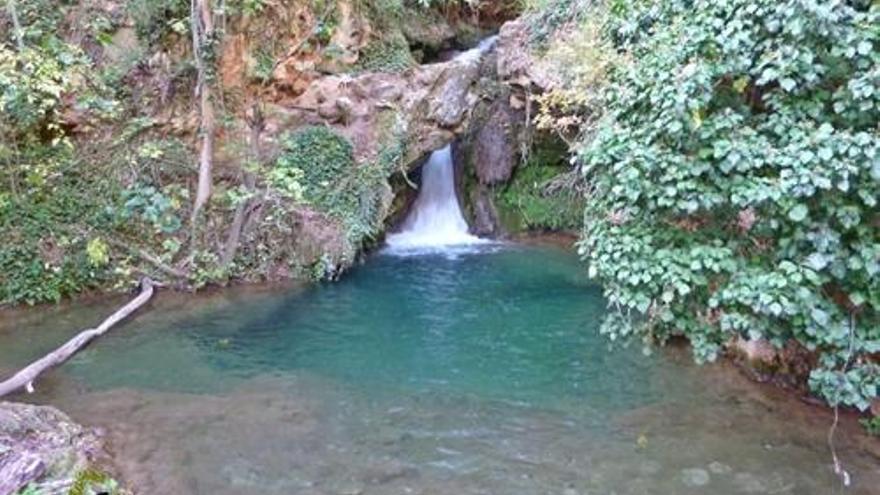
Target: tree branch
point(25, 378)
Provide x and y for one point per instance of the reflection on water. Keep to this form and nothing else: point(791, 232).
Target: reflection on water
point(476, 374)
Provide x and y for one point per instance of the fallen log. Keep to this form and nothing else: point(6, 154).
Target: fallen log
point(25, 378)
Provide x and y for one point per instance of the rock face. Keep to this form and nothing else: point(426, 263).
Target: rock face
point(485, 221)
point(489, 147)
point(425, 106)
point(516, 64)
point(42, 447)
point(495, 146)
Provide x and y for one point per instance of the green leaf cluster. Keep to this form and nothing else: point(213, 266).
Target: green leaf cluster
point(533, 198)
point(735, 177)
point(322, 164)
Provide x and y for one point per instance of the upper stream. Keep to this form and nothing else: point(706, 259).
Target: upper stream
point(471, 372)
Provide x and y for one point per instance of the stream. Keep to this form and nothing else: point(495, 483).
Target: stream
point(473, 370)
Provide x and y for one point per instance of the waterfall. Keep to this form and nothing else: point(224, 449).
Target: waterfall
point(435, 219)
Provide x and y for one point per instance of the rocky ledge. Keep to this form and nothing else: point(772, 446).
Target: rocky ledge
point(44, 451)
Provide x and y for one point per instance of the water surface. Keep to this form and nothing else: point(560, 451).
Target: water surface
point(478, 371)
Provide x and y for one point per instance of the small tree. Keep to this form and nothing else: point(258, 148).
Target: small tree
point(204, 40)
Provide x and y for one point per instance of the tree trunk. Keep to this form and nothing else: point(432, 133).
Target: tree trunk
point(16, 24)
point(25, 378)
point(203, 30)
point(243, 210)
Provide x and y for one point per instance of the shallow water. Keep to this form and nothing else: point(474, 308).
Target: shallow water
point(477, 371)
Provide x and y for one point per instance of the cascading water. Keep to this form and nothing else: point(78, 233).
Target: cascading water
point(435, 220)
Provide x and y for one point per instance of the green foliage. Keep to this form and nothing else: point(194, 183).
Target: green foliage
point(322, 164)
point(388, 50)
point(735, 181)
point(98, 251)
point(93, 482)
point(154, 19)
point(872, 425)
point(545, 17)
point(48, 199)
point(247, 7)
point(539, 195)
point(45, 253)
point(320, 157)
point(30, 490)
point(153, 206)
point(388, 54)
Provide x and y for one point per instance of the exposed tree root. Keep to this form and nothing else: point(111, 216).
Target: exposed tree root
point(25, 378)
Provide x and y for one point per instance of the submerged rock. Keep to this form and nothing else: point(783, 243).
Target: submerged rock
point(695, 477)
point(42, 447)
point(719, 468)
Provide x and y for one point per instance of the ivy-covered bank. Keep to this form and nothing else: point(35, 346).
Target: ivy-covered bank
point(732, 161)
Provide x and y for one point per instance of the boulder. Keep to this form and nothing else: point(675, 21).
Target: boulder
point(485, 222)
point(42, 447)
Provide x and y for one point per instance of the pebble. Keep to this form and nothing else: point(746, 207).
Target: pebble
point(719, 468)
point(650, 467)
point(749, 483)
point(695, 477)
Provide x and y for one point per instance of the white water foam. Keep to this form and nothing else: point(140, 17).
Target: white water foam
point(435, 220)
point(435, 223)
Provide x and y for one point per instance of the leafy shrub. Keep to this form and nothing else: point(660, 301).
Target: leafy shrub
point(872, 426)
point(44, 255)
point(154, 19)
point(736, 176)
point(540, 198)
point(354, 194)
point(323, 157)
point(388, 54)
point(153, 206)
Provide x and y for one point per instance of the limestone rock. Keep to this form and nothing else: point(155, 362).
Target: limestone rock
point(515, 63)
point(695, 477)
point(42, 446)
point(485, 217)
point(430, 30)
point(432, 103)
point(495, 146)
point(449, 103)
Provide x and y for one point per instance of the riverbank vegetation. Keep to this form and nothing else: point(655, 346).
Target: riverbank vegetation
point(732, 164)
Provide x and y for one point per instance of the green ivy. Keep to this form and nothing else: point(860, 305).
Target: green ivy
point(322, 163)
point(323, 157)
point(735, 177)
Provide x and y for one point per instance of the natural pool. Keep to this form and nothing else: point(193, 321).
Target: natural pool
point(471, 371)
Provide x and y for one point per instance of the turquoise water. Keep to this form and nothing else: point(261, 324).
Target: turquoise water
point(477, 371)
point(515, 323)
